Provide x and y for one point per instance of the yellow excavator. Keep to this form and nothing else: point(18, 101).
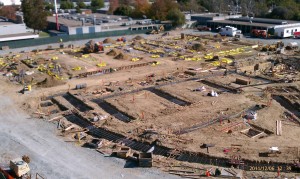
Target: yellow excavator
point(157, 30)
point(27, 86)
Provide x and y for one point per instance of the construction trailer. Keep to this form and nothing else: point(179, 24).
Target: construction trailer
point(288, 30)
point(229, 31)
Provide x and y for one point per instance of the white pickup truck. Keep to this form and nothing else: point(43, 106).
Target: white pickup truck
point(229, 31)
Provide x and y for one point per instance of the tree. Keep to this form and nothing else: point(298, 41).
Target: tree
point(141, 8)
point(183, 1)
point(124, 10)
point(127, 2)
point(80, 4)
point(160, 8)
point(35, 16)
point(97, 3)
point(1, 4)
point(281, 12)
point(78, 10)
point(261, 8)
point(66, 4)
point(113, 5)
point(8, 12)
point(191, 5)
point(49, 6)
point(176, 16)
point(248, 7)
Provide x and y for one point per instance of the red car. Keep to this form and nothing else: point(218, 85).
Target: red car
point(203, 28)
point(297, 35)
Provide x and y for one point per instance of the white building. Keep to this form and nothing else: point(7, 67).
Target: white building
point(13, 31)
point(287, 30)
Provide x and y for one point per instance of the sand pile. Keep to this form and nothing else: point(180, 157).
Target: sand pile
point(50, 82)
point(138, 37)
point(218, 36)
point(109, 40)
point(198, 47)
point(113, 52)
point(122, 56)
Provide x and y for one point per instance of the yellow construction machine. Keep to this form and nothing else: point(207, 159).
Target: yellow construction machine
point(273, 47)
point(157, 30)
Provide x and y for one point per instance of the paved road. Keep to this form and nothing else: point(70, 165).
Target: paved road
point(56, 45)
point(82, 42)
point(53, 157)
point(264, 41)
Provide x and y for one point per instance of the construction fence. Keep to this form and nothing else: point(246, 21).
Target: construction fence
point(67, 38)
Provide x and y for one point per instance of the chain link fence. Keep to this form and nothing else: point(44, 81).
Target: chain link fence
point(67, 38)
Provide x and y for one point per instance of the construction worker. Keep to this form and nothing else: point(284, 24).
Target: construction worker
point(225, 72)
point(207, 173)
point(217, 172)
point(61, 43)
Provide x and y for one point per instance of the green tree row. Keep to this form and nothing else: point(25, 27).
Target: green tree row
point(277, 9)
point(158, 10)
point(68, 4)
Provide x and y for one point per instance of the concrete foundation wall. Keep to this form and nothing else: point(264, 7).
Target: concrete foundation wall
point(255, 67)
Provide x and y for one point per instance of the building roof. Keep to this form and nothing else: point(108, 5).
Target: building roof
point(264, 20)
point(67, 22)
point(73, 20)
point(242, 23)
point(216, 15)
point(205, 15)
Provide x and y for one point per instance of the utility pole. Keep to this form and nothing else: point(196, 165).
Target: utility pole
point(56, 15)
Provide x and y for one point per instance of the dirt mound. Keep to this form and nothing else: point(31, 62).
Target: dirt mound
point(138, 37)
point(218, 36)
point(50, 82)
point(122, 56)
point(109, 40)
point(113, 52)
point(198, 47)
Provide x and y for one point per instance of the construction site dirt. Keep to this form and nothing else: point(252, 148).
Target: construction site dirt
point(195, 101)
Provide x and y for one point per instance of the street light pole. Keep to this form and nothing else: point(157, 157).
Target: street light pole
point(56, 15)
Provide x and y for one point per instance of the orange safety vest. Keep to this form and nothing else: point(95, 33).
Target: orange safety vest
point(207, 173)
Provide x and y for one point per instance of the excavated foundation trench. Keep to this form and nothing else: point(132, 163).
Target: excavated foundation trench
point(186, 156)
point(287, 105)
point(169, 97)
point(78, 104)
point(112, 110)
